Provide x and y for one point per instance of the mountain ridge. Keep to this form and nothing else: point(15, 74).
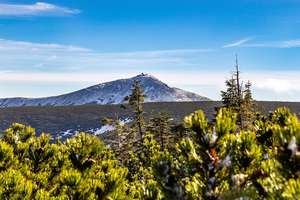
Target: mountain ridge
point(112, 92)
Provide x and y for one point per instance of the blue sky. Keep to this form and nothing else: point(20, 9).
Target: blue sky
point(53, 47)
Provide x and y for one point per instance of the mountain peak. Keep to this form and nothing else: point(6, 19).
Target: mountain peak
point(112, 92)
point(143, 75)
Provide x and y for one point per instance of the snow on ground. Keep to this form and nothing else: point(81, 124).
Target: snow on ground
point(103, 129)
point(95, 131)
point(67, 133)
point(108, 128)
point(125, 121)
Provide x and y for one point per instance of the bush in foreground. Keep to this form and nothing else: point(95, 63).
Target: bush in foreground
point(211, 161)
point(81, 168)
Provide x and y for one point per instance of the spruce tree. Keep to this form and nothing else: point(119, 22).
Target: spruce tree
point(136, 100)
point(247, 106)
point(229, 96)
point(160, 126)
point(238, 97)
point(118, 133)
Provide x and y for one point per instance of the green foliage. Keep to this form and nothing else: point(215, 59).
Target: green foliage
point(238, 97)
point(292, 189)
point(197, 122)
point(160, 127)
point(14, 185)
point(34, 168)
point(136, 100)
point(225, 122)
point(212, 161)
point(217, 161)
point(6, 156)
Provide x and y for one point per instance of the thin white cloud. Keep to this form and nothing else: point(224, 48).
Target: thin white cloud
point(21, 56)
point(166, 52)
point(238, 43)
point(37, 9)
point(8, 45)
point(245, 42)
point(276, 44)
point(11, 45)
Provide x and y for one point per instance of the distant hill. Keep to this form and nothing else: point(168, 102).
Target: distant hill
point(108, 93)
point(65, 120)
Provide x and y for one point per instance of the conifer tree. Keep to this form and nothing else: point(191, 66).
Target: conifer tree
point(238, 97)
point(118, 132)
point(247, 106)
point(136, 100)
point(229, 96)
point(160, 126)
point(122, 138)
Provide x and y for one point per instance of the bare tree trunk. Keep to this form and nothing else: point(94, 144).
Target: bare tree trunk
point(239, 92)
point(139, 123)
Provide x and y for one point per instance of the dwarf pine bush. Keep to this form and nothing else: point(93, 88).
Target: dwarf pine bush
point(211, 161)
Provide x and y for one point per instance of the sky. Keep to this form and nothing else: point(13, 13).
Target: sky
point(53, 47)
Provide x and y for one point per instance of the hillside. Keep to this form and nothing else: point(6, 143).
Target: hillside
point(60, 120)
point(112, 92)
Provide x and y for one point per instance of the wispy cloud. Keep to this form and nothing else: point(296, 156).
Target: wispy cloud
point(28, 56)
point(41, 63)
point(238, 43)
point(295, 43)
point(245, 42)
point(276, 44)
point(11, 45)
point(39, 8)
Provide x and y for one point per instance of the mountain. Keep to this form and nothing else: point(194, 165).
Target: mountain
point(112, 92)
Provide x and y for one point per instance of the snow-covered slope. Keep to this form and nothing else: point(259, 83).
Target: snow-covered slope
point(112, 92)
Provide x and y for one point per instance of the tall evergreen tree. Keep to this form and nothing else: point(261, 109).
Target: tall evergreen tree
point(160, 127)
point(238, 97)
point(229, 96)
point(247, 106)
point(136, 100)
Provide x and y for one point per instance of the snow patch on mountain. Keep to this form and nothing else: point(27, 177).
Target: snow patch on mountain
point(112, 92)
